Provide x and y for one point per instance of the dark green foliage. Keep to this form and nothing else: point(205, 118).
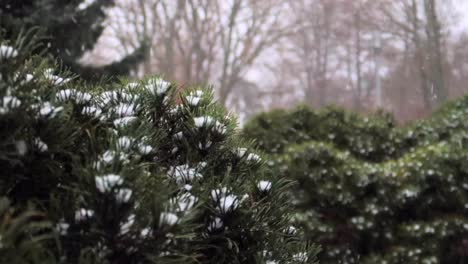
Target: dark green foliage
point(274, 131)
point(372, 138)
point(399, 195)
point(22, 234)
point(124, 174)
point(71, 28)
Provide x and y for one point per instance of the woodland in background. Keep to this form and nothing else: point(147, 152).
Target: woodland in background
point(265, 54)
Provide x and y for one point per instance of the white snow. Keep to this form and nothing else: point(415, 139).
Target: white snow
point(107, 182)
point(216, 224)
point(124, 121)
point(7, 52)
point(253, 157)
point(183, 173)
point(123, 195)
point(225, 202)
point(82, 97)
point(264, 186)
point(8, 103)
point(83, 213)
point(91, 111)
point(41, 146)
point(125, 227)
point(48, 110)
point(124, 143)
point(65, 95)
point(157, 86)
point(203, 121)
point(193, 100)
point(185, 202)
point(167, 218)
point(125, 110)
point(85, 4)
point(145, 149)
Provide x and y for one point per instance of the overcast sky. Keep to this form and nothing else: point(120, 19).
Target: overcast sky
point(463, 6)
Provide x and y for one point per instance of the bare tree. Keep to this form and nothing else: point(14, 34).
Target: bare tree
point(419, 21)
point(308, 50)
point(320, 51)
point(203, 41)
point(331, 45)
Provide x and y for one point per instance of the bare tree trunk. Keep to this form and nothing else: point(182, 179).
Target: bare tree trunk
point(358, 97)
point(223, 89)
point(169, 62)
point(435, 52)
point(323, 69)
point(146, 38)
point(402, 100)
point(425, 89)
point(309, 69)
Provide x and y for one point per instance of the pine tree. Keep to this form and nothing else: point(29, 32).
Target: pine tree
point(122, 173)
point(71, 28)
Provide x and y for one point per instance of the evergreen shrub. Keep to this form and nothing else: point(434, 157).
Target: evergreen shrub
point(372, 192)
point(130, 172)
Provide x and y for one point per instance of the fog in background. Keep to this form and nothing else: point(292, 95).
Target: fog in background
point(403, 56)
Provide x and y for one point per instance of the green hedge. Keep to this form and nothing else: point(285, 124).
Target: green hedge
point(274, 131)
point(371, 192)
point(371, 138)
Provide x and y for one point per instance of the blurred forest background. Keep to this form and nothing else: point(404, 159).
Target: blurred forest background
point(404, 56)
